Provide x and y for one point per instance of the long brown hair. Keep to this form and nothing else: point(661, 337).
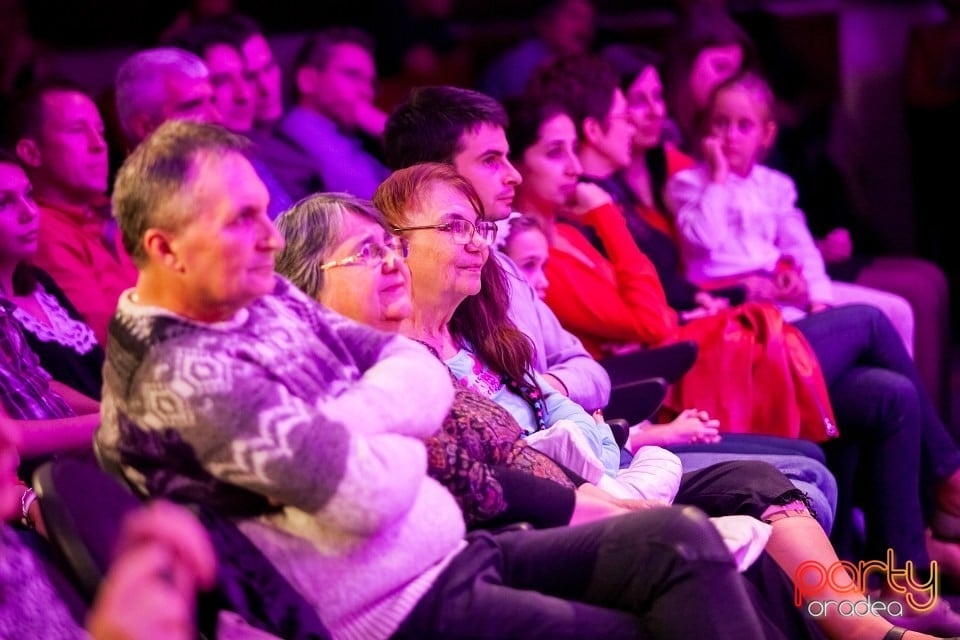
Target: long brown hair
point(24, 276)
point(480, 320)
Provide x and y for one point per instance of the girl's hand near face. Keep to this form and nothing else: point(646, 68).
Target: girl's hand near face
point(716, 160)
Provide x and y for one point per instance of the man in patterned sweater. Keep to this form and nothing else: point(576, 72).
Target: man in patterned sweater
point(226, 385)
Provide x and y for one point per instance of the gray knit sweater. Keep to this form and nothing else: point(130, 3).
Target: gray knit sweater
point(304, 426)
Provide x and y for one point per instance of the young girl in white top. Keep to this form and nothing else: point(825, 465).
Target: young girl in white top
point(738, 220)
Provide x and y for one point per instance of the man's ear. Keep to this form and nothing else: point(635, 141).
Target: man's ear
point(159, 250)
point(592, 130)
point(29, 152)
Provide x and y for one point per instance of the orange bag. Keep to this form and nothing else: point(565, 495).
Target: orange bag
point(755, 373)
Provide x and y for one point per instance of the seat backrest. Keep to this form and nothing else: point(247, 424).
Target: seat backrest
point(669, 362)
point(83, 508)
point(636, 401)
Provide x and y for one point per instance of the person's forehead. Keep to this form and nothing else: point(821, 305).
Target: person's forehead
point(445, 199)
point(648, 78)
point(722, 52)
point(350, 54)
point(66, 106)
point(357, 228)
point(485, 137)
point(225, 176)
point(222, 57)
point(256, 50)
point(11, 176)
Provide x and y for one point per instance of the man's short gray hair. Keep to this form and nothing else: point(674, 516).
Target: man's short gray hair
point(139, 83)
point(311, 230)
point(151, 182)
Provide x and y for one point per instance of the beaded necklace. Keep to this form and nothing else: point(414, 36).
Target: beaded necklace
point(530, 393)
point(533, 396)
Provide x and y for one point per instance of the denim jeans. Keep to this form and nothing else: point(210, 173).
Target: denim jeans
point(889, 431)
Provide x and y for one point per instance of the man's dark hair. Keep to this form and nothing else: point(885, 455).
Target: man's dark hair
point(583, 83)
point(429, 125)
point(316, 49)
point(23, 117)
point(231, 29)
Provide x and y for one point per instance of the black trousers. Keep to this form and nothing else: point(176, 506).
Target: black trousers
point(659, 573)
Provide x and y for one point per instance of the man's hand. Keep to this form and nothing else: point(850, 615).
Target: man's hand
point(593, 503)
point(370, 119)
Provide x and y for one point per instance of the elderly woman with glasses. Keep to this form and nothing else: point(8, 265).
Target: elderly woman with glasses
point(340, 252)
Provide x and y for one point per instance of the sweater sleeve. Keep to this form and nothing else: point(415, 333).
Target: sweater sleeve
point(631, 309)
point(381, 399)
point(245, 428)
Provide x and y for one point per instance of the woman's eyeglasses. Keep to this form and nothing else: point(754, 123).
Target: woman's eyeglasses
point(462, 231)
point(372, 254)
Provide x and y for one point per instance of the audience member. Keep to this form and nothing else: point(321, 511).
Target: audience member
point(160, 84)
point(331, 499)
point(465, 128)
point(335, 120)
point(449, 301)
point(52, 417)
point(561, 27)
point(639, 188)
point(65, 345)
point(262, 71)
point(218, 41)
point(738, 219)
point(57, 132)
point(710, 47)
